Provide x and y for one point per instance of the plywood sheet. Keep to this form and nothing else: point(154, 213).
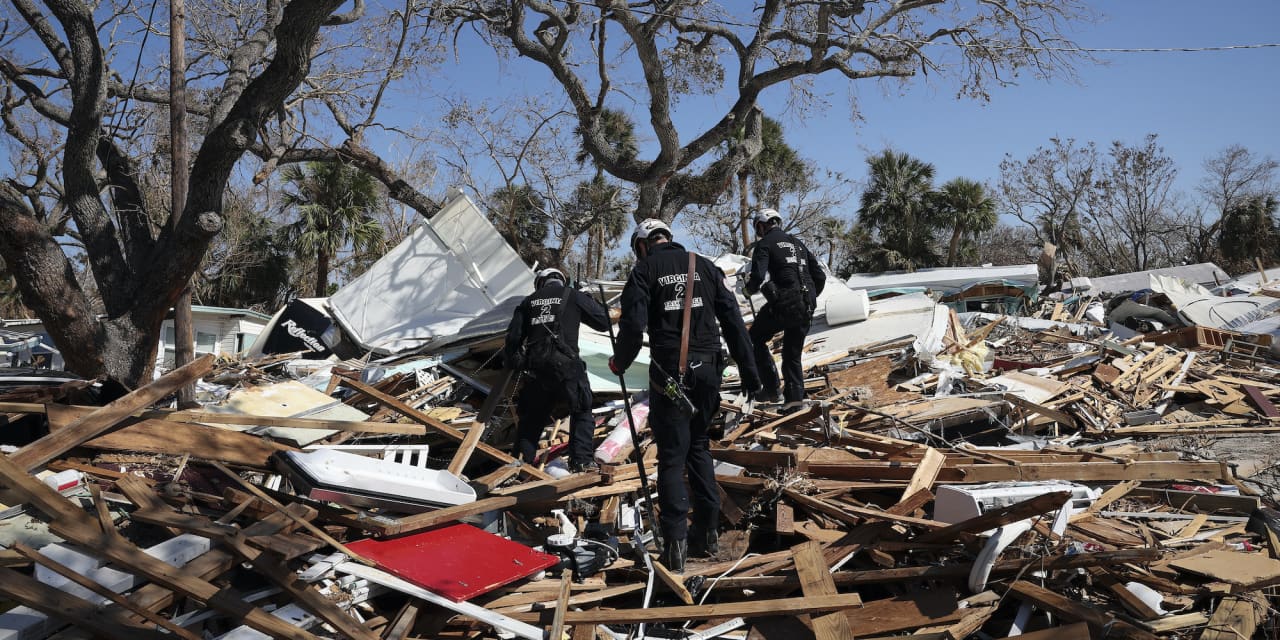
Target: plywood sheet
point(1233, 567)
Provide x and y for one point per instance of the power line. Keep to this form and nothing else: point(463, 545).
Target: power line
point(976, 45)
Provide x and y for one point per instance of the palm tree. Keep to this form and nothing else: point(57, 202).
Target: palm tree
point(966, 206)
point(335, 204)
point(776, 170)
point(620, 133)
point(897, 205)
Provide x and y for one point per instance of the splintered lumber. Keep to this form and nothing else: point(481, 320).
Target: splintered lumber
point(922, 609)
point(306, 524)
point(674, 582)
point(1073, 631)
point(460, 458)
point(1250, 571)
point(926, 472)
point(758, 608)
point(562, 605)
point(1073, 471)
point(1236, 617)
point(999, 517)
point(530, 492)
point(75, 576)
point(157, 436)
point(435, 425)
point(815, 581)
point(950, 571)
point(266, 563)
point(30, 457)
point(1101, 623)
point(74, 525)
point(111, 623)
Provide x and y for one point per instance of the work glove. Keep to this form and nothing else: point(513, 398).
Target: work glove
point(613, 366)
point(750, 381)
point(751, 291)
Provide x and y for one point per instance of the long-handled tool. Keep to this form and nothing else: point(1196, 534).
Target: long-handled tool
point(635, 436)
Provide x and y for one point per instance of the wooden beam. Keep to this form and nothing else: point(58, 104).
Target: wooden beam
point(1101, 623)
point(267, 563)
point(926, 472)
point(999, 517)
point(674, 582)
point(1236, 617)
point(815, 581)
point(407, 411)
point(1048, 412)
point(532, 492)
point(75, 576)
point(784, 606)
point(980, 473)
point(32, 456)
point(157, 436)
point(74, 525)
point(499, 390)
point(78, 611)
point(562, 605)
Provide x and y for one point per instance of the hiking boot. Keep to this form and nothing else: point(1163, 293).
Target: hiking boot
point(792, 407)
point(589, 466)
point(764, 397)
point(704, 544)
point(673, 555)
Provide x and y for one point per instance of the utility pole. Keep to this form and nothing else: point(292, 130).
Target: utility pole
point(183, 333)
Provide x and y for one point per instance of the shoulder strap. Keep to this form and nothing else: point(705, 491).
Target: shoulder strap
point(688, 311)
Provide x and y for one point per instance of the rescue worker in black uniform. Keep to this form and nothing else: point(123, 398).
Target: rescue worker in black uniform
point(795, 281)
point(653, 299)
point(548, 320)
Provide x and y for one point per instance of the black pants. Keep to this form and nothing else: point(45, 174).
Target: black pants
point(538, 403)
point(765, 327)
point(684, 447)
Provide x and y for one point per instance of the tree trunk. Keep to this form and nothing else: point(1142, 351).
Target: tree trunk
point(744, 212)
point(49, 288)
point(955, 245)
point(129, 351)
point(322, 274)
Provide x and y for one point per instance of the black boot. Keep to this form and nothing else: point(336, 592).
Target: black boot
point(704, 544)
point(673, 554)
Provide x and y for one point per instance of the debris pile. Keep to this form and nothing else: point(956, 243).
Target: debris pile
point(955, 473)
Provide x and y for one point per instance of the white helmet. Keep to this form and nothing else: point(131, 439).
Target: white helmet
point(647, 229)
point(766, 215)
point(548, 274)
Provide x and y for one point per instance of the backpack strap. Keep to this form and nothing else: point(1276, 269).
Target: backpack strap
point(688, 311)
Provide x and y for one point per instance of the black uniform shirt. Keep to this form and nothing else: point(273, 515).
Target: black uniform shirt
point(653, 298)
point(540, 310)
point(782, 256)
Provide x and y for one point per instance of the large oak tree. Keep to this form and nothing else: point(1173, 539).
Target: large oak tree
point(609, 53)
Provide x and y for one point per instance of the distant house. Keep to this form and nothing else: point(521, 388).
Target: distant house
point(217, 330)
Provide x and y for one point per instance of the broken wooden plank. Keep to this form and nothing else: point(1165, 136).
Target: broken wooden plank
point(157, 436)
point(74, 525)
point(981, 473)
point(783, 606)
point(1235, 618)
point(78, 611)
point(32, 456)
point(674, 582)
point(562, 605)
point(926, 472)
point(815, 580)
point(1101, 622)
point(999, 517)
point(75, 576)
point(531, 492)
point(496, 393)
point(435, 425)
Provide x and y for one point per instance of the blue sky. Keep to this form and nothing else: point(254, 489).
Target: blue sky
point(1197, 103)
